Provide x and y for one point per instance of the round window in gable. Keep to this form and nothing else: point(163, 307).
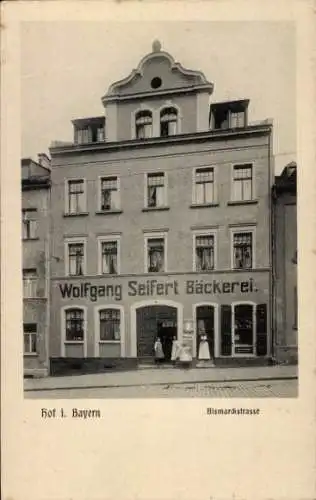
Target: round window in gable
point(156, 82)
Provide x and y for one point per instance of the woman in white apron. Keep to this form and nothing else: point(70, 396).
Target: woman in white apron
point(175, 350)
point(159, 354)
point(204, 350)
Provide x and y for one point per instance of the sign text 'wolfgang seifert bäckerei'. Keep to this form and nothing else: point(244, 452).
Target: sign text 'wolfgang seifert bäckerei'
point(152, 288)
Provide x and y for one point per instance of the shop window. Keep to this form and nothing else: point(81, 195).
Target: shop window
point(203, 186)
point(242, 183)
point(109, 193)
point(244, 329)
point(144, 124)
point(30, 279)
point(110, 325)
point(156, 190)
point(242, 250)
point(204, 252)
point(155, 255)
point(29, 224)
point(168, 122)
point(74, 319)
point(76, 196)
point(75, 259)
point(109, 257)
point(30, 338)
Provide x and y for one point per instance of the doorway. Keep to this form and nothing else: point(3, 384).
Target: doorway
point(152, 322)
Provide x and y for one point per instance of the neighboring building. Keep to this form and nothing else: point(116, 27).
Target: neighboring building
point(162, 224)
point(285, 265)
point(35, 265)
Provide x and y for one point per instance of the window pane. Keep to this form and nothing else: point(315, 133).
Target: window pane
point(247, 194)
point(155, 255)
point(237, 186)
point(209, 192)
point(109, 324)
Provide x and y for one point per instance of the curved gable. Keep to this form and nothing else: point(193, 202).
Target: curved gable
point(156, 73)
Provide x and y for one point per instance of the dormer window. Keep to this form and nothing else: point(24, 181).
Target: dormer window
point(229, 115)
point(89, 130)
point(168, 122)
point(144, 124)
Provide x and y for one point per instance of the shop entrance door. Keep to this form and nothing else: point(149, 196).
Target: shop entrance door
point(205, 325)
point(152, 322)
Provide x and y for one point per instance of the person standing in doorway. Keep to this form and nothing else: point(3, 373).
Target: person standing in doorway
point(175, 351)
point(159, 354)
point(204, 350)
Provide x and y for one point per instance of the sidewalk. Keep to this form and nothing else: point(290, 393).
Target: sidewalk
point(158, 376)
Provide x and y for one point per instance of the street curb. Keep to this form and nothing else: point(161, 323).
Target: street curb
point(115, 386)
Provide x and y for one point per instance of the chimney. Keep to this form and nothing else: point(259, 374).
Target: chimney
point(44, 161)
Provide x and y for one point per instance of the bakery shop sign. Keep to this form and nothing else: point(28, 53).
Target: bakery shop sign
point(154, 288)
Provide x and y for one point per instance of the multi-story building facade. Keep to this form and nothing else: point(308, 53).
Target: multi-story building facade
point(285, 265)
point(35, 265)
point(161, 213)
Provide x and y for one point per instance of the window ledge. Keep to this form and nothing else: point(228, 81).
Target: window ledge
point(243, 269)
point(30, 354)
point(243, 202)
point(74, 342)
point(153, 209)
point(77, 214)
point(109, 341)
point(204, 205)
point(108, 212)
point(34, 298)
point(30, 239)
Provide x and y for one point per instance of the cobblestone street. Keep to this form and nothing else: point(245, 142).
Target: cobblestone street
point(246, 389)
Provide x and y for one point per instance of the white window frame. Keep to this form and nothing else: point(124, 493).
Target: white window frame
point(133, 120)
point(97, 339)
point(32, 221)
point(66, 195)
point(67, 242)
point(65, 342)
point(29, 334)
point(170, 104)
point(32, 282)
point(194, 202)
point(108, 176)
point(204, 232)
point(105, 238)
point(146, 174)
point(253, 186)
point(254, 326)
point(154, 235)
point(243, 229)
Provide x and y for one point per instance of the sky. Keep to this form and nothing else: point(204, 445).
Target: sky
point(66, 67)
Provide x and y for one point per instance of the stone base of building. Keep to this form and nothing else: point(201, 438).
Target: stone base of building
point(286, 355)
point(81, 366)
point(35, 372)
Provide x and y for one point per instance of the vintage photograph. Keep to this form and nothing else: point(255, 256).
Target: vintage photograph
point(159, 210)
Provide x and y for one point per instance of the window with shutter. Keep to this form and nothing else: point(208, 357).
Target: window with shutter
point(226, 330)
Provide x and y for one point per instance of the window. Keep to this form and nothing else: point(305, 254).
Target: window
point(83, 135)
point(244, 328)
point(155, 255)
point(203, 187)
point(242, 250)
point(76, 196)
point(204, 252)
point(109, 193)
point(29, 283)
point(74, 325)
point(242, 183)
point(237, 119)
point(75, 259)
point(144, 124)
point(156, 190)
point(29, 224)
point(30, 338)
point(109, 253)
point(110, 325)
point(168, 122)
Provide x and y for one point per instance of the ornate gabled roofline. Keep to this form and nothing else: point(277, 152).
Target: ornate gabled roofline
point(138, 72)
